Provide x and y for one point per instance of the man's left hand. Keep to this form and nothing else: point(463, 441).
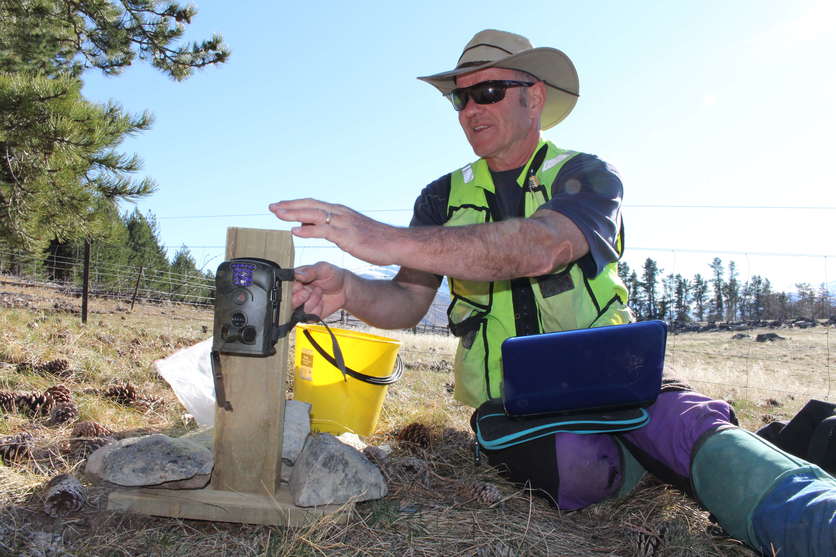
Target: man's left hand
point(356, 234)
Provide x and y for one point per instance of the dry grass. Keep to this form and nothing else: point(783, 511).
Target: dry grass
point(431, 508)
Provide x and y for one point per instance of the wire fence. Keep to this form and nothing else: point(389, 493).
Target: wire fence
point(107, 279)
point(732, 358)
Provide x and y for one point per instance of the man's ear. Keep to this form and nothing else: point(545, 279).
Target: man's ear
point(537, 97)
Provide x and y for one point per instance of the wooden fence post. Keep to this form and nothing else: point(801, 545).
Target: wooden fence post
point(136, 287)
point(85, 281)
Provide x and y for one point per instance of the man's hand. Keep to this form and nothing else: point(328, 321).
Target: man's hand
point(358, 235)
point(400, 303)
point(320, 287)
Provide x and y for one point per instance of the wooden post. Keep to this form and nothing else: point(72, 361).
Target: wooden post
point(85, 281)
point(136, 287)
point(254, 386)
point(248, 440)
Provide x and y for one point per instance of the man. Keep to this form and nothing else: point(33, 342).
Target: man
point(529, 235)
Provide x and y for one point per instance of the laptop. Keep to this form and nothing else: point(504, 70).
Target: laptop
point(602, 368)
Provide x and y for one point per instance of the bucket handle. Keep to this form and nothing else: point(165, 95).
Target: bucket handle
point(388, 380)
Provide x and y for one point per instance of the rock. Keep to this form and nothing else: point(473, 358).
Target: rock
point(205, 437)
point(149, 461)
point(740, 336)
point(764, 337)
point(352, 440)
point(297, 426)
point(330, 472)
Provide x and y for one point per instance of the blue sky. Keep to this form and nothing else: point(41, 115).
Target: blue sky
point(696, 103)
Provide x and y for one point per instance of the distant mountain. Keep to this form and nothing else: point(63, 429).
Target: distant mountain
point(437, 314)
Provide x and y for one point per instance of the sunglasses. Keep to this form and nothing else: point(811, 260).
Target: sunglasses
point(486, 92)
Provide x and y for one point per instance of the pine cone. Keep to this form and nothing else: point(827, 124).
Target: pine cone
point(415, 433)
point(60, 394)
point(63, 413)
point(33, 404)
point(60, 367)
point(64, 495)
point(483, 492)
point(121, 394)
point(7, 401)
point(145, 403)
point(141, 404)
point(16, 447)
point(89, 436)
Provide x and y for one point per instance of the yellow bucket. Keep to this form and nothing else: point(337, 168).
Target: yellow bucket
point(343, 403)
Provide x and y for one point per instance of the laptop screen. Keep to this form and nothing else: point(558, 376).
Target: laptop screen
point(586, 369)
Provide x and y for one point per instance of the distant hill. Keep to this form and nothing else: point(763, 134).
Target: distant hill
point(437, 314)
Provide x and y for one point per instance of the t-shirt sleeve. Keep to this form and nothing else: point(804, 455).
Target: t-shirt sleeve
point(431, 206)
point(588, 191)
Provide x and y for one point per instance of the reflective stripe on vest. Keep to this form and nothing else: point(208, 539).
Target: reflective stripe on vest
point(482, 313)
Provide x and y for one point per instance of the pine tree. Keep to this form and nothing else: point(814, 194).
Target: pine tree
point(731, 293)
point(58, 162)
point(624, 271)
point(190, 281)
point(824, 307)
point(649, 301)
point(634, 296)
point(805, 307)
point(716, 311)
point(699, 296)
point(146, 251)
point(681, 299)
point(666, 304)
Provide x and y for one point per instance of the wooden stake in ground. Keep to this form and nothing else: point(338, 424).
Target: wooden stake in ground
point(248, 440)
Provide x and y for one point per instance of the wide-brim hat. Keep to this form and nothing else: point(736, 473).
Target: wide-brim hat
point(500, 49)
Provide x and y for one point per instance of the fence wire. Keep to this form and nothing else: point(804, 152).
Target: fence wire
point(125, 282)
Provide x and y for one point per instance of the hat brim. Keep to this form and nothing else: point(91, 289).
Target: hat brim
point(548, 64)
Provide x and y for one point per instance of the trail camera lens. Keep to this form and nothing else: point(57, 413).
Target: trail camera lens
point(248, 334)
point(239, 319)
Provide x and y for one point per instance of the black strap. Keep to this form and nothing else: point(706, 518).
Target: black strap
point(218, 379)
point(338, 362)
point(467, 326)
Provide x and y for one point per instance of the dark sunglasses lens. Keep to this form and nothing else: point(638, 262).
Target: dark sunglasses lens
point(487, 93)
point(482, 93)
point(459, 99)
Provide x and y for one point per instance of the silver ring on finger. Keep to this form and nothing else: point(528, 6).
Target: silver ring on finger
point(327, 217)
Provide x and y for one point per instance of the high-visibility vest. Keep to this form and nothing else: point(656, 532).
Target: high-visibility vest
point(483, 314)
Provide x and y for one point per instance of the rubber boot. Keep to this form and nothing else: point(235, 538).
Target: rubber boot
point(822, 449)
point(770, 499)
point(795, 437)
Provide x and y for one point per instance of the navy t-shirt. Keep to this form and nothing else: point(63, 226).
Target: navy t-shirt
point(586, 190)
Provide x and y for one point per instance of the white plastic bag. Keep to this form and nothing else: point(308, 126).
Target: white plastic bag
point(189, 372)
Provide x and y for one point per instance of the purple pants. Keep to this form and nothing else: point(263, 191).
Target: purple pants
point(591, 467)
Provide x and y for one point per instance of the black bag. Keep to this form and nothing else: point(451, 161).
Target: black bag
point(523, 447)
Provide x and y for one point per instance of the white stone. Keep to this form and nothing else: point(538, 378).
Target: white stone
point(329, 472)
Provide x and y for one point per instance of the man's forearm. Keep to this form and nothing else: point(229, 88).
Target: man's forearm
point(386, 304)
point(493, 251)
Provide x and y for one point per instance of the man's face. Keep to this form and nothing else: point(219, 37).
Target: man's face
point(504, 133)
